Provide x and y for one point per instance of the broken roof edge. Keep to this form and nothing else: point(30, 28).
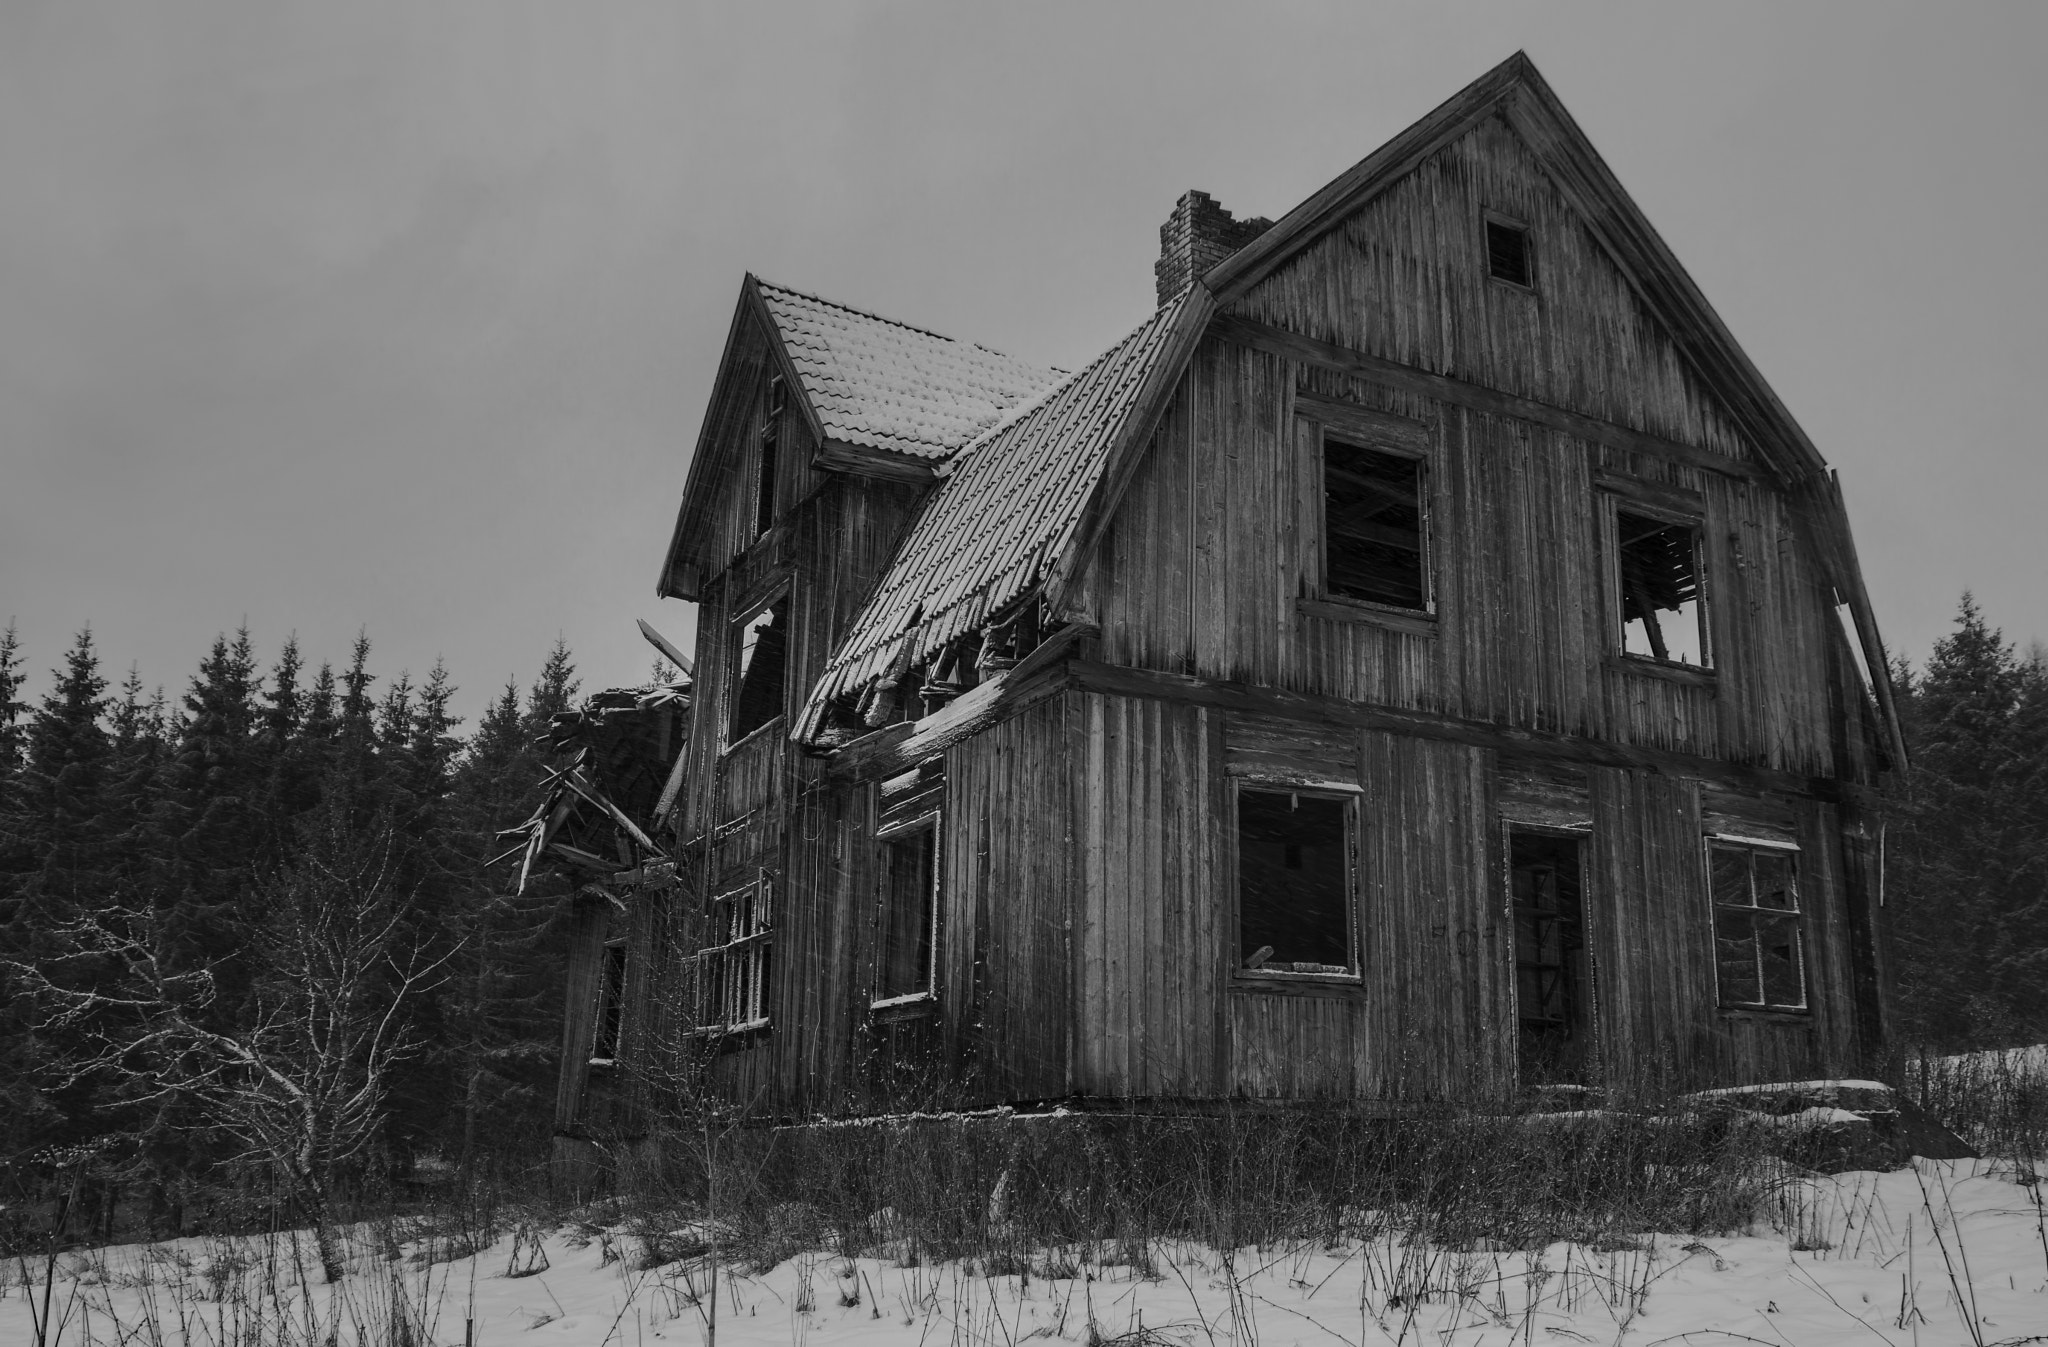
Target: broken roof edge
point(914, 638)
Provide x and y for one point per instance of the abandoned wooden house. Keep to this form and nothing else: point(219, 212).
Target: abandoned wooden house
point(1422, 659)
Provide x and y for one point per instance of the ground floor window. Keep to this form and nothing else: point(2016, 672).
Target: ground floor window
point(907, 958)
point(1759, 941)
point(732, 975)
point(1294, 853)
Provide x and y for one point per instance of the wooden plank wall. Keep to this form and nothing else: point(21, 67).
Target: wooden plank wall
point(1434, 1016)
point(1147, 973)
point(1218, 536)
point(1404, 279)
point(760, 805)
point(1006, 930)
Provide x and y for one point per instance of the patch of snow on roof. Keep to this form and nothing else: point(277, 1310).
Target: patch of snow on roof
point(887, 385)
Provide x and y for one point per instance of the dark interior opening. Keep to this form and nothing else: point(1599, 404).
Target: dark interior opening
point(1552, 973)
point(771, 437)
point(1293, 890)
point(1372, 525)
point(611, 1002)
point(1757, 942)
point(763, 659)
point(909, 912)
point(1660, 589)
point(1507, 252)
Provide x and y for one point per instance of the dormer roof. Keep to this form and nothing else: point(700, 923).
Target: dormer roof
point(882, 384)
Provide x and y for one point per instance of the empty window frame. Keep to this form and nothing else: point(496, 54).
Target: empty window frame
point(774, 404)
point(1294, 862)
point(1375, 529)
point(907, 948)
point(732, 972)
point(1759, 940)
point(1507, 253)
point(1553, 974)
point(611, 1002)
point(1658, 576)
point(760, 666)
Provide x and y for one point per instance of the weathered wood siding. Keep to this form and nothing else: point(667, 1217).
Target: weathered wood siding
point(1161, 1013)
point(1006, 930)
point(1218, 537)
point(1405, 279)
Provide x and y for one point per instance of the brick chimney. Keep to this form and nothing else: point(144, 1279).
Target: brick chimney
point(1197, 236)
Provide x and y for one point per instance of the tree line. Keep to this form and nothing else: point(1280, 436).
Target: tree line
point(174, 876)
point(267, 866)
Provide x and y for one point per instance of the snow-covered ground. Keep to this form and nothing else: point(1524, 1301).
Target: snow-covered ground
point(1942, 1253)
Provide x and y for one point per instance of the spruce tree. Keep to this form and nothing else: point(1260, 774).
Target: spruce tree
point(1966, 852)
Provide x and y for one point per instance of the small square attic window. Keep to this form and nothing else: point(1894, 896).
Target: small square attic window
point(1507, 253)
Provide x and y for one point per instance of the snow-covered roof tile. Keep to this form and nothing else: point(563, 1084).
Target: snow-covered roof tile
point(886, 385)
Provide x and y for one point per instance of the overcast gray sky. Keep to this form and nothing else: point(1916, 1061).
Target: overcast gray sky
point(403, 316)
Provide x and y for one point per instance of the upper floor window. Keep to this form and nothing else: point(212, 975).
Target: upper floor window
point(1375, 533)
point(774, 404)
point(1294, 883)
point(760, 668)
point(1507, 253)
point(1657, 565)
point(1759, 945)
point(908, 957)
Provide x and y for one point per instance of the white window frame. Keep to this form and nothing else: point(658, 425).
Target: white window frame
point(1352, 798)
point(1796, 914)
point(743, 914)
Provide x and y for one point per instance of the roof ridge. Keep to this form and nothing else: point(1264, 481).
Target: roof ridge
point(766, 284)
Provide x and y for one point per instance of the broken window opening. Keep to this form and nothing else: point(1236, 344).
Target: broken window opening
point(760, 668)
point(1507, 253)
point(771, 436)
point(1293, 883)
point(908, 956)
point(1659, 575)
point(1374, 536)
point(611, 1002)
point(732, 973)
point(1759, 943)
point(1553, 974)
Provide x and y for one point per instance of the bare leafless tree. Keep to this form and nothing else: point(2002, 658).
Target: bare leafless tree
point(299, 1081)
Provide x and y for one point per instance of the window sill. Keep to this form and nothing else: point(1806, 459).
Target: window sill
point(1341, 986)
point(914, 1006)
point(1769, 1014)
point(1670, 670)
point(750, 1029)
point(763, 728)
point(1411, 620)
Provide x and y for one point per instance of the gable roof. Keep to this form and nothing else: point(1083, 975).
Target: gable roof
point(861, 380)
point(1008, 507)
point(882, 384)
point(979, 544)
